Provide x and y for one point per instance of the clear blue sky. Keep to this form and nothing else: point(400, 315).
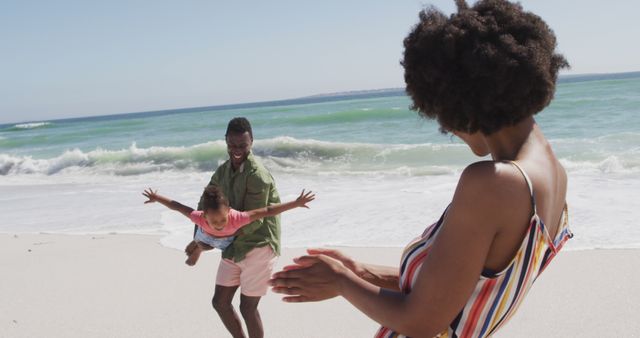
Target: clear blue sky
point(69, 58)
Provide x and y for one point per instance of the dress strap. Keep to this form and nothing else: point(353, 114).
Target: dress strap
point(529, 184)
point(564, 233)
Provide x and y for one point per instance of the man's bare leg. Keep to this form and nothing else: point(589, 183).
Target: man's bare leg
point(221, 302)
point(249, 310)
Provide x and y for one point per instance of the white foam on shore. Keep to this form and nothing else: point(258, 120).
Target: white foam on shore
point(357, 211)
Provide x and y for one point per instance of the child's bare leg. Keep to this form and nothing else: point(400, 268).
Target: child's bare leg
point(193, 257)
point(205, 246)
point(190, 247)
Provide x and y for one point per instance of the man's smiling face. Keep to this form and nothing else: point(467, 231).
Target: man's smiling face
point(238, 147)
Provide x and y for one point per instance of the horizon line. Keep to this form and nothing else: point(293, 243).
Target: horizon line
point(315, 98)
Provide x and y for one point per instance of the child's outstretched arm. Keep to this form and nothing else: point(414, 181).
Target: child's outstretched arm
point(277, 209)
point(169, 203)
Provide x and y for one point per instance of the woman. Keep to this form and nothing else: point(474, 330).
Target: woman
point(482, 73)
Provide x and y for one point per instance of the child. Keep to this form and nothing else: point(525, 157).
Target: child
point(217, 222)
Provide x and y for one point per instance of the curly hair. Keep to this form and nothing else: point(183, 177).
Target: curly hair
point(483, 68)
point(212, 198)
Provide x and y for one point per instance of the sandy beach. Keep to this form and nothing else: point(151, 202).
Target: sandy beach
point(131, 286)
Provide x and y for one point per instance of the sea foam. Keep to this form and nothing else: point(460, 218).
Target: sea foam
point(31, 125)
point(305, 156)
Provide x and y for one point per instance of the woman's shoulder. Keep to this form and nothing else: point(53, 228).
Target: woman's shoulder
point(490, 186)
point(490, 175)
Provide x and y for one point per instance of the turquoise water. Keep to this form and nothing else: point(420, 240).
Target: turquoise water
point(588, 122)
point(364, 154)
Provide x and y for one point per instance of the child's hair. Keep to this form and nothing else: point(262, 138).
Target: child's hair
point(213, 198)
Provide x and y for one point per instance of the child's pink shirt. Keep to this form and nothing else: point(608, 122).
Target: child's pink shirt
point(235, 220)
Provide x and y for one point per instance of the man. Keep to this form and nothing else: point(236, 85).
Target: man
point(248, 262)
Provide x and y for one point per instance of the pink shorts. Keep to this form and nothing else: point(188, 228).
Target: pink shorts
point(252, 273)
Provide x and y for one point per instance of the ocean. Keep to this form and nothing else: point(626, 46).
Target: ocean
point(381, 173)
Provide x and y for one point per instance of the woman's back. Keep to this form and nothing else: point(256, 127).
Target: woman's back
point(549, 184)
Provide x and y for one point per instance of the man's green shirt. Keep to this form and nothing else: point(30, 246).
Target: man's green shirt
point(248, 188)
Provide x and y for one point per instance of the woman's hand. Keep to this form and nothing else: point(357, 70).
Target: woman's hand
point(383, 276)
point(313, 278)
point(151, 195)
point(352, 265)
point(305, 198)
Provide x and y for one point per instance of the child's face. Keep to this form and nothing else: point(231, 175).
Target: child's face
point(217, 218)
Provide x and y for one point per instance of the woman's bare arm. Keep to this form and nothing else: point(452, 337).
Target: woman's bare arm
point(445, 281)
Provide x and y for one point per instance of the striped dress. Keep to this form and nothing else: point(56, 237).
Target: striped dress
point(497, 295)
